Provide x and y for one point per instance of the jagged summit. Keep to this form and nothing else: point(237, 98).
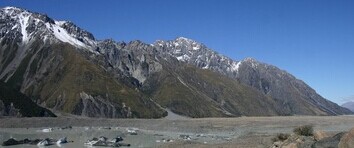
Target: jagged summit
point(184, 39)
point(11, 8)
point(30, 25)
point(250, 59)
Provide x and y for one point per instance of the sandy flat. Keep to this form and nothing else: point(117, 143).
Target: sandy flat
point(205, 132)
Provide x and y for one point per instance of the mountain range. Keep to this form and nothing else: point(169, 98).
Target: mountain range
point(64, 68)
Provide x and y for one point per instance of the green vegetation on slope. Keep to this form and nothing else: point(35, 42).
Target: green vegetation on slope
point(195, 92)
point(75, 75)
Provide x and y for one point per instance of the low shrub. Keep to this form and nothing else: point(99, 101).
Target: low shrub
point(281, 137)
point(305, 130)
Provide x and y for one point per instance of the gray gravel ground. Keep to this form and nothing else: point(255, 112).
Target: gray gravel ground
point(205, 132)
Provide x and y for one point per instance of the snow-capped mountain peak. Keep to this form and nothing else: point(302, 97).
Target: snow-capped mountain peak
point(254, 63)
point(189, 42)
point(29, 25)
point(195, 53)
point(184, 39)
point(10, 9)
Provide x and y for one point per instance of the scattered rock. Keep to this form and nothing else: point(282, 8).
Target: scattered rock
point(44, 142)
point(66, 127)
point(102, 141)
point(164, 140)
point(132, 131)
point(38, 142)
point(158, 135)
point(107, 128)
point(62, 140)
point(185, 137)
point(117, 139)
point(200, 135)
point(47, 130)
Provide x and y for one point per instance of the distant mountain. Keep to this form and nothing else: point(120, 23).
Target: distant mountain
point(349, 105)
point(291, 95)
point(63, 67)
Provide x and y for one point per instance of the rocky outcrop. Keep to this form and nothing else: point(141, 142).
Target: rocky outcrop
point(134, 59)
point(320, 139)
point(90, 106)
point(329, 141)
point(294, 141)
point(12, 111)
point(319, 135)
point(9, 110)
point(347, 141)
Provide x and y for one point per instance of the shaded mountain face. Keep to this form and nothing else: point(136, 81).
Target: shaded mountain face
point(349, 105)
point(14, 103)
point(63, 67)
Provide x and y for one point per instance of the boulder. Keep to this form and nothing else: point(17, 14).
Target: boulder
point(329, 141)
point(318, 135)
point(347, 141)
point(11, 141)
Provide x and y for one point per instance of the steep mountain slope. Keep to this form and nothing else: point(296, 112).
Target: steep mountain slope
point(52, 66)
point(349, 105)
point(183, 88)
point(179, 86)
point(293, 96)
point(63, 67)
point(14, 103)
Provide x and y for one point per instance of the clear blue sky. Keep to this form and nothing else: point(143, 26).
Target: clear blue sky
point(311, 39)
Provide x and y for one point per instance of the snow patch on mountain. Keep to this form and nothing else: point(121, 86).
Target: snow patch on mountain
point(183, 58)
point(23, 22)
point(235, 66)
point(180, 80)
point(61, 34)
point(23, 19)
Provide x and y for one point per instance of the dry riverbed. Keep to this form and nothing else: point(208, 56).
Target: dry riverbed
point(181, 132)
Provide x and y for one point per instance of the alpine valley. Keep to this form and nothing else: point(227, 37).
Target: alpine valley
point(56, 65)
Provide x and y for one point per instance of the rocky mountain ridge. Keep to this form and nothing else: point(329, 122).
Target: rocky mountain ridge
point(63, 67)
